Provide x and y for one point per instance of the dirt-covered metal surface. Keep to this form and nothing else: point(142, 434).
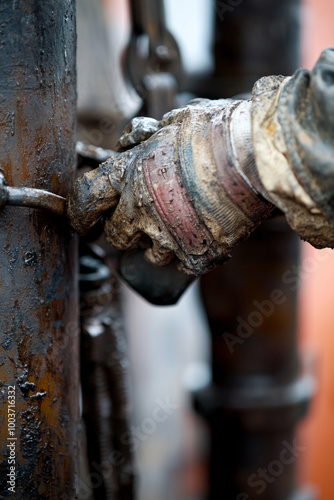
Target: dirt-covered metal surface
point(38, 296)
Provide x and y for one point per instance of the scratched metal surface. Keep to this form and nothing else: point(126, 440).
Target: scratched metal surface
point(38, 296)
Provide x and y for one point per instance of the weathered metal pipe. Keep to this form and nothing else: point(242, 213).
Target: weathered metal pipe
point(258, 391)
point(38, 253)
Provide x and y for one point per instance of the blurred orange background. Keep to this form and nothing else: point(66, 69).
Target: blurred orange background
point(317, 300)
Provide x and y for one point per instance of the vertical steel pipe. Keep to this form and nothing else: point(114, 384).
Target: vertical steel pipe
point(38, 254)
point(259, 391)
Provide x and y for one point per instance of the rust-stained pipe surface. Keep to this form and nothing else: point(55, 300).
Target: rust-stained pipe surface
point(38, 292)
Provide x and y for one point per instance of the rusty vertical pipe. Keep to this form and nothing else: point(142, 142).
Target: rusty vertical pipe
point(38, 254)
point(259, 391)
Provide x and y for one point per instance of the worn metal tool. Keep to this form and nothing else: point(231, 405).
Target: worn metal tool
point(158, 285)
point(28, 197)
point(204, 180)
point(40, 198)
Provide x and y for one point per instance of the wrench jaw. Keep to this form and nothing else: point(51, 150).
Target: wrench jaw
point(161, 286)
